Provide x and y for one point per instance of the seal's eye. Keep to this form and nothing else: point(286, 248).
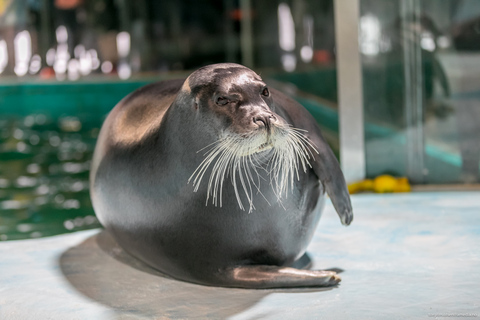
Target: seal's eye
point(265, 92)
point(222, 101)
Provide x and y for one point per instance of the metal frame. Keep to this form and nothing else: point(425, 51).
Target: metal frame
point(350, 90)
point(246, 33)
point(413, 74)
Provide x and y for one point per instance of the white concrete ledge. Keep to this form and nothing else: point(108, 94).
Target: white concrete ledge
point(405, 256)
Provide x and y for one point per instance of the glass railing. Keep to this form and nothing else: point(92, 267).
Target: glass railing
point(421, 76)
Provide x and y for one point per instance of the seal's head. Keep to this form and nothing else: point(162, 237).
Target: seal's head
point(236, 96)
point(237, 105)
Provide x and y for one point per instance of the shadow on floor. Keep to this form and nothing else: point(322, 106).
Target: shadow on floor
point(101, 270)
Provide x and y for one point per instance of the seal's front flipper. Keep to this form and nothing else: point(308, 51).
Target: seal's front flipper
point(328, 170)
point(265, 277)
point(325, 164)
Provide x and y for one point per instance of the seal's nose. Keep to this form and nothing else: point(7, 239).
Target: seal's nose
point(263, 121)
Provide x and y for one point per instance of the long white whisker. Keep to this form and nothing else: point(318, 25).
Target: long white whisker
point(233, 155)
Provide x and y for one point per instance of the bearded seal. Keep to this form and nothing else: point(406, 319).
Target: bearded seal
point(217, 180)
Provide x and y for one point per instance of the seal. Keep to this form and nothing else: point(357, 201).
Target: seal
point(217, 180)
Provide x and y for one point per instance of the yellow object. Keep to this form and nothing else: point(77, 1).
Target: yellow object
point(3, 6)
point(364, 185)
point(381, 184)
point(384, 183)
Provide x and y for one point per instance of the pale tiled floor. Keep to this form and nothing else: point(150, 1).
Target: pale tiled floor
point(407, 256)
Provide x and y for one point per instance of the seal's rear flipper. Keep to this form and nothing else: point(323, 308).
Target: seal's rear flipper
point(265, 277)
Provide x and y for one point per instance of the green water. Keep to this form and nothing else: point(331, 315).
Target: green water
point(47, 137)
point(44, 175)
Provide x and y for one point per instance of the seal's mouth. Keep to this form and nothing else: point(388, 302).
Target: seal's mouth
point(257, 149)
point(265, 146)
point(258, 142)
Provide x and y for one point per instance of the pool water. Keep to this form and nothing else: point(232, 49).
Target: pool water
point(44, 167)
point(48, 132)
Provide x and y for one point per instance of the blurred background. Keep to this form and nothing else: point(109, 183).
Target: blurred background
point(64, 64)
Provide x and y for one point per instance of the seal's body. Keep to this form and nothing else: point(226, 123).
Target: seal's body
point(216, 180)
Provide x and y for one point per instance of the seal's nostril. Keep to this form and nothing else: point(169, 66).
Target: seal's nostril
point(263, 122)
point(259, 121)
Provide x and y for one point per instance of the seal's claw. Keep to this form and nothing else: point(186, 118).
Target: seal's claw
point(330, 278)
point(335, 280)
point(347, 217)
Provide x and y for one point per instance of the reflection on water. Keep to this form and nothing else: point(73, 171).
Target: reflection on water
point(44, 166)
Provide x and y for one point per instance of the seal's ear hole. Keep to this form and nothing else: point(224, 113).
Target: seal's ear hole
point(265, 92)
point(195, 105)
point(221, 101)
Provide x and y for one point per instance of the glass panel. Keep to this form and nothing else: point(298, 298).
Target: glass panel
point(453, 131)
point(421, 67)
point(383, 83)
